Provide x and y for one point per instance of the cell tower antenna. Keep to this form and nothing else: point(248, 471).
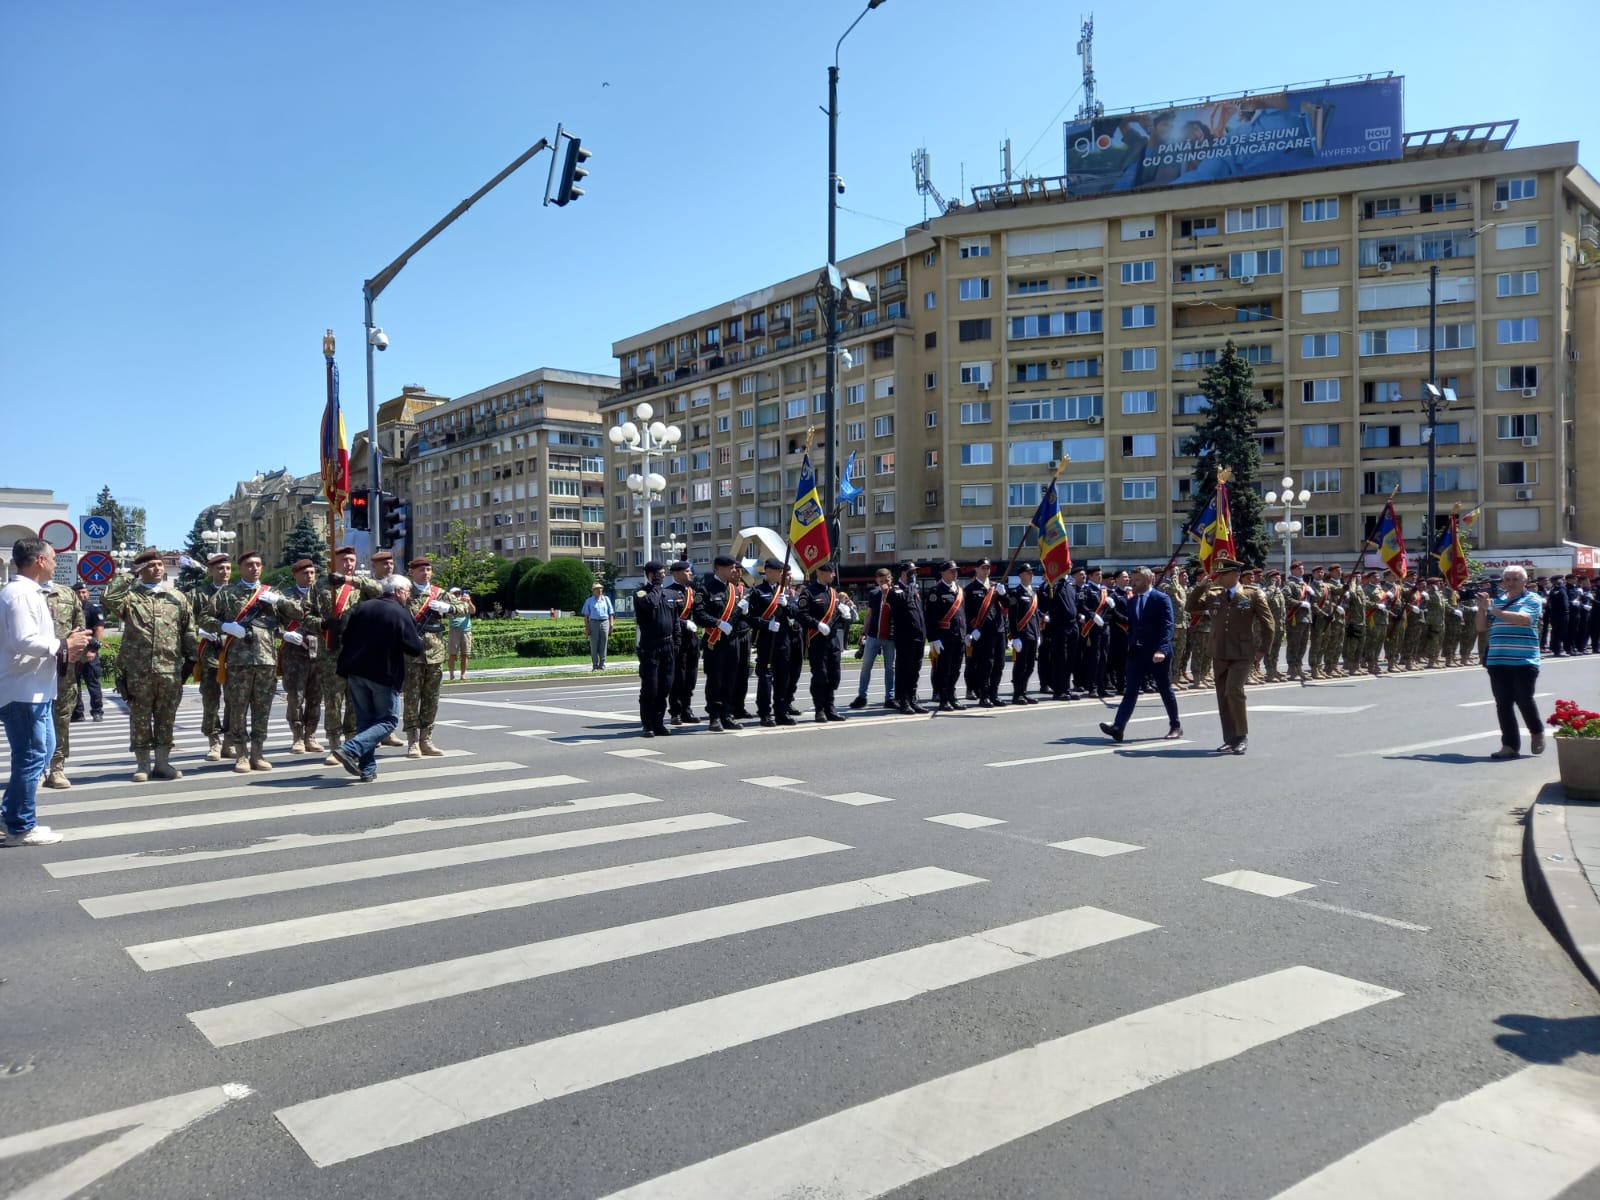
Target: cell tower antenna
point(925, 188)
point(1005, 159)
point(1091, 109)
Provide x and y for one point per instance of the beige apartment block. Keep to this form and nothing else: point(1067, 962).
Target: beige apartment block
point(1029, 324)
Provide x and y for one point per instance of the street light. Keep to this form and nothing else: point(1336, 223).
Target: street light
point(1286, 527)
point(217, 537)
point(647, 439)
point(1437, 396)
point(831, 304)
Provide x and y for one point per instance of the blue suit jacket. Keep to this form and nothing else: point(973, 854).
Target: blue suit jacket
point(1151, 632)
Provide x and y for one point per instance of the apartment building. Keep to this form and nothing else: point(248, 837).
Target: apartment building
point(521, 463)
point(265, 509)
point(1030, 323)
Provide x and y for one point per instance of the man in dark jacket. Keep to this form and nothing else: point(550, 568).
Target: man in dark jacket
point(655, 612)
point(910, 632)
point(379, 636)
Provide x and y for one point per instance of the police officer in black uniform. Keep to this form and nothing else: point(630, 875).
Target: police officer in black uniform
point(986, 635)
point(945, 611)
point(686, 645)
point(824, 614)
point(655, 611)
point(1026, 621)
point(88, 667)
point(772, 616)
point(720, 612)
point(1094, 635)
point(797, 648)
point(910, 631)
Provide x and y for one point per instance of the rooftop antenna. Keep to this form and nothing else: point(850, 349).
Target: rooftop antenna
point(1005, 159)
point(1091, 109)
point(925, 188)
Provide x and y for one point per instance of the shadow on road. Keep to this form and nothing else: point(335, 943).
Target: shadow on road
point(1548, 1039)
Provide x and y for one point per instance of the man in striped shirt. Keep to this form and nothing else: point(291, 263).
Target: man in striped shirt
point(1512, 621)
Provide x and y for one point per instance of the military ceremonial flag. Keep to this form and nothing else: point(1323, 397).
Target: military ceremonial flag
point(335, 452)
point(849, 492)
point(1452, 554)
point(1391, 542)
point(808, 526)
point(1213, 528)
point(1055, 549)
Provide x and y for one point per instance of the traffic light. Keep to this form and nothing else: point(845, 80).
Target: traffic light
point(360, 512)
point(572, 171)
point(392, 519)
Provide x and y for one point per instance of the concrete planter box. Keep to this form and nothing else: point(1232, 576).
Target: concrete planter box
point(1579, 759)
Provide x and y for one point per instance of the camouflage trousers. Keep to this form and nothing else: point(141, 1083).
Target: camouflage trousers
point(1411, 646)
point(1298, 638)
point(1275, 648)
point(249, 696)
point(338, 714)
point(1180, 645)
point(422, 694)
point(153, 698)
point(1372, 646)
point(1432, 640)
point(1199, 654)
point(302, 682)
point(1354, 655)
point(66, 701)
point(1392, 638)
point(211, 702)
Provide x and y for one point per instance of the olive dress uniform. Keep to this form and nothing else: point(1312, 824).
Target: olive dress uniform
point(1237, 615)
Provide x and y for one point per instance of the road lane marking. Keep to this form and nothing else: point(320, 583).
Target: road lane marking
point(1275, 886)
point(772, 781)
point(858, 799)
point(1099, 847)
point(965, 820)
point(1450, 741)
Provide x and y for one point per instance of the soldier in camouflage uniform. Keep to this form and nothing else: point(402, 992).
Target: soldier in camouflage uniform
point(1173, 585)
point(248, 615)
point(302, 682)
point(66, 611)
point(1470, 605)
point(159, 649)
point(1353, 609)
point(215, 720)
point(1378, 606)
point(332, 603)
point(1335, 605)
point(1436, 607)
point(1298, 620)
point(1278, 602)
point(371, 587)
point(430, 605)
point(1199, 639)
point(1414, 597)
point(1453, 620)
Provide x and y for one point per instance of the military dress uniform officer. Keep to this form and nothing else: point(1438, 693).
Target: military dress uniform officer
point(945, 610)
point(247, 615)
point(1118, 592)
point(655, 612)
point(216, 719)
point(1093, 637)
point(1238, 613)
point(1059, 639)
point(824, 614)
point(430, 607)
point(332, 601)
point(772, 616)
point(797, 647)
point(986, 635)
point(1027, 624)
point(908, 626)
point(720, 610)
point(302, 683)
point(159, 649)
point(66, 614)
point(686, 645)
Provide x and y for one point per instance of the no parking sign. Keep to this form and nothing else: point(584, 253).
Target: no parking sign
point(96, 568)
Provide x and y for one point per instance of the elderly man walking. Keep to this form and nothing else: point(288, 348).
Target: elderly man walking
point(379, 639)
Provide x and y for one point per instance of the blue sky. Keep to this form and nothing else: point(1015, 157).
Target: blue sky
point(194, 191)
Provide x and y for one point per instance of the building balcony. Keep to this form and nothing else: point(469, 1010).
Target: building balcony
point(778, 326)
point(892, 291)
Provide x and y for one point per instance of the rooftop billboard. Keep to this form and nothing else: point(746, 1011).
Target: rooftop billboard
point(1300, 129)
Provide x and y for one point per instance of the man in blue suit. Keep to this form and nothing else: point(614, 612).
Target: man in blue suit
point(1149, 655)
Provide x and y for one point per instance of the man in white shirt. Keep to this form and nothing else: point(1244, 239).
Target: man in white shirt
point(29, 653)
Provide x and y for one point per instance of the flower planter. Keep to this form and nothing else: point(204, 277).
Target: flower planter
point(1579, 759)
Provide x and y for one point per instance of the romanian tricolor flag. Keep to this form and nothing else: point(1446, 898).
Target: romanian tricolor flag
point(335, 450)
point(808, 525)
point(1213, 529)
point(1452, 554)
point(1055, 550)
point(1391, 542)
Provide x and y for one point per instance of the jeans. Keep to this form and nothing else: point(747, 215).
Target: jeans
point(377, 716)
point(871, 647)
point(1141, 670)
point(31, 730)
point(599, 634)
point(1513, 692)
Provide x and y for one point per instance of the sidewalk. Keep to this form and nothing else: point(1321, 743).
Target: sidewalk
point(1561, 871)
point(615, 666)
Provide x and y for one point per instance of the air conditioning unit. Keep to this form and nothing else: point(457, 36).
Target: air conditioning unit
point(1500, 206)
point(1055, 362)
point(1247, 279)
point(1524, 493)
point(1531, 441)
point(983, 385)
point(1572, 356)
point(1529, 393)
point(1096, 419)
point(1385, 266)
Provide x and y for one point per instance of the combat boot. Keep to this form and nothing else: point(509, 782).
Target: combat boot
point(164, 769)
point(258, 757)
point(241, 764)
point(141, 771)
point(334, 738)
point(312, 745)
point(425, 743)
point(391, 740)
point(57, 777)
point(298, 745)
point(412, 749)
point(230, 746)
point(214, 748)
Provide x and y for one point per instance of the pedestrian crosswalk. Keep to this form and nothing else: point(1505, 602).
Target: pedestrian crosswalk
point(260, 958)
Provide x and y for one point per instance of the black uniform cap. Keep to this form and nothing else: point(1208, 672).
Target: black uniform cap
point(655, 564)
point(982, 562)
point(724, 560)
point(948, 564)
point(1024, 568)
point(773, 564)
point(682, 564)
point(910, 564)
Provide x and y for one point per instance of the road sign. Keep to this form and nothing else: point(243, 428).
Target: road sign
point(66, 567)
point(94, 533)
point(62, 535)
point(96, 567)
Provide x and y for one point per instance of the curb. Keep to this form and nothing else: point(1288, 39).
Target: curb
point(1557, 887)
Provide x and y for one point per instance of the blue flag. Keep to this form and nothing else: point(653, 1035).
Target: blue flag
point(848, 493)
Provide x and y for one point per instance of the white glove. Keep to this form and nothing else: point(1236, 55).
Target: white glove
point(1099, 620)
point(271, 597)
point(691, 627)
point(773, 626)
point(824, 628)
point(1047, 618)
point(439, 606)
point(1016, 644)
point(186, 562)
point(207, 636)
point(1456, 613)
point(744, 605)
point(233, 629)
point(784, 600)
point(294, 638)
point(725, 627)
point(1339, 611)
point(975, 636)
point(1306, 604)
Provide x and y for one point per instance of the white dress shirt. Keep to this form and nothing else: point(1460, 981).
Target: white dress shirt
point(28, 644)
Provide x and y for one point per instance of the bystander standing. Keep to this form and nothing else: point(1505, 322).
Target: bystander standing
point(459, 643)
point(94, 620)
point(597, 614)
point(1511, 620)
point(379, 637)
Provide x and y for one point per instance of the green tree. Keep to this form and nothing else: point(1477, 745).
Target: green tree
point(106, 505)
point(461, 566)
point(563, 583)
point(195, 547)
point(303, 542)
point(1226, 438)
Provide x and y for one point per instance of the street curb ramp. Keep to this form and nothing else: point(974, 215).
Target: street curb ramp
point(1554, 879)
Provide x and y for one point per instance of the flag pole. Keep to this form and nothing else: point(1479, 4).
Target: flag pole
point(334, 514)
point(788, 539)
point(1017, 552)
point(1224, 474)
point(1365, 545)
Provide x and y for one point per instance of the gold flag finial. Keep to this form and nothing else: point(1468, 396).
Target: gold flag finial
point(1224, 474)
point(327, 343)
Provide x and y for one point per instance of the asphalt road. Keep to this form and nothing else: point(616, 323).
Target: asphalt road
point(979, 955)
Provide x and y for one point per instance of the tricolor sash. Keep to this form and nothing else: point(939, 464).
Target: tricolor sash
point(222, 658)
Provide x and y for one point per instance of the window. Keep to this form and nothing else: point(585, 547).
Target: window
point(1319, 391)
point(930, 381)
point(1032, 372)
point(1260, 216)
point(1517, 283)
point(1081, 368)
point(1197, 227)
point(883, 502)
point(1319, 437)
point(930, 419)
point(980, 412)
point(747, 384)
point(1513, 379)
point(1084, 449)
point(1139, 489)
point(1253, 312)
point(1436, 202)
point(855, 431)
point(1081, 491)
point(1386, 206)
point(1022, 495)
point(1319, 345)
point(1139, 445)
point(796, 407)
point(975, 331)
point(1511, 237)
point(975, 289)
point(976, 372)
point(977, 495)
point(1517, 329)
point(856, 393)
point(1056, 324)
point(1029, 287)
point(977, 454)
point(1137, 228)
point(1517, 426)
point(1517, 520)
point(930, 299)
point(1138, 531)
point(1507, 190)
point(1190, 403)
point(883, 542)
point(1319, 300)
point(1447, 433)
point(1377, 437)
point(1414, 340)
point(1026, 454)
point(883, 427)
point(1138, 402)
point(701, 461)
point(1320, 210)
point(724, 455)
point(1381, 391)
point(1139, 272)
point(1245, 263)
point(1321, 480)
point(1056, 408)
point(1138, 316)
point(1082, 283)
point(724, 423)
point(977, 535)
point(1320, 525)
point(1141, 359)
point(747, 418)
point(883, 389)
point(1509, 474)
point(883, 464)
point(975, 247)
point(1086, 533)
point(930, 459)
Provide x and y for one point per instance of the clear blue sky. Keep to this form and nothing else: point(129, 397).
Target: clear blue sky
point(194, 191)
